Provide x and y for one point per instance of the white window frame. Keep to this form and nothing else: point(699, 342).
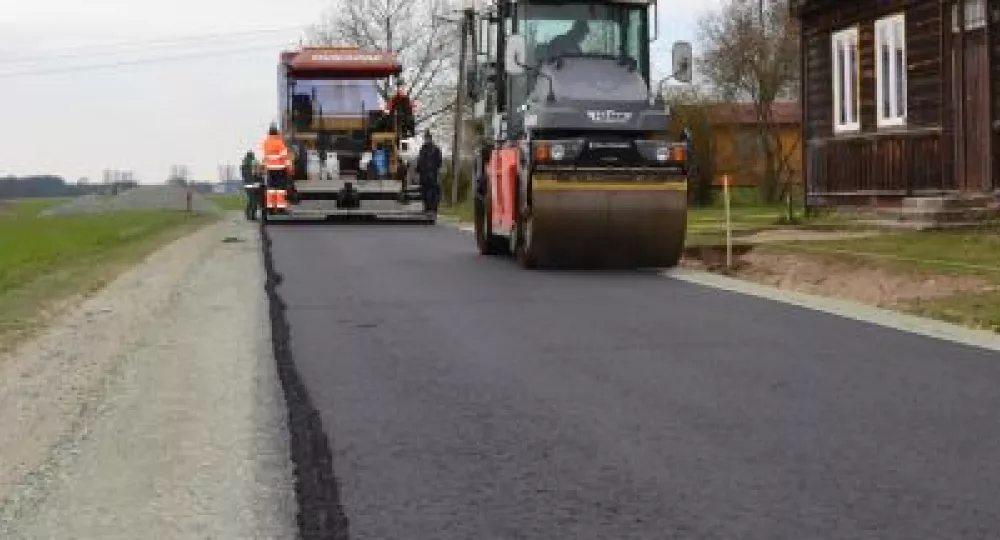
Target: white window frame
point(891, 31)
point(846, 40)
point(975, 15)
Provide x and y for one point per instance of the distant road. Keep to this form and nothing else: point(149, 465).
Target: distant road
point(462, 397)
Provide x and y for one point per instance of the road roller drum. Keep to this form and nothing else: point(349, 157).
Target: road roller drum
point(587, 224)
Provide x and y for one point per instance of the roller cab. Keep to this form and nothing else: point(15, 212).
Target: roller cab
point(578, 166)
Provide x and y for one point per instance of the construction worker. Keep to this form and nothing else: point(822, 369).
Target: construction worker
point(250, 171)
point(428, 166)
point(381, 160)
point(278, 168)
point(401, 110)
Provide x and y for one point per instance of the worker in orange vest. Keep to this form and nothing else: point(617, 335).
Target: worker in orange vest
point(278, 166)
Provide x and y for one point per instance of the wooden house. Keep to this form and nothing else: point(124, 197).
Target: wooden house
point(899, 98)
point(737, 148)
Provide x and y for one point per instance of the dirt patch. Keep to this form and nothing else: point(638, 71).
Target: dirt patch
point(868, 284)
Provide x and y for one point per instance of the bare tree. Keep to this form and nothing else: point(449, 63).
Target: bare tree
point(417, 30)
point(692, 108)
point(751, 55)
point(178, 175)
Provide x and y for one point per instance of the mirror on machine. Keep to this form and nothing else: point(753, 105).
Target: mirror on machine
point(515, 57)
point(682, 59)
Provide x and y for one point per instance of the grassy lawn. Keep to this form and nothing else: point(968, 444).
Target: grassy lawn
point(462, 211)
point(743, 217)
point(47, 260)
point(980, 310)
point(971, 252)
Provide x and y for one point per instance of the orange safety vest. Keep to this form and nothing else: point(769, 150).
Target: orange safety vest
point(275, 154)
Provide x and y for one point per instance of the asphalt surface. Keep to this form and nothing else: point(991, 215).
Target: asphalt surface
point(462, 397)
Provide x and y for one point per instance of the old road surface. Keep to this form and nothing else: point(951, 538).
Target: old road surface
point(440, 395)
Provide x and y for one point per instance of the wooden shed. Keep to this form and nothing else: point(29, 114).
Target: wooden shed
point(898, 98)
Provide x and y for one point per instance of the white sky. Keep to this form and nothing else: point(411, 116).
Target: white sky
point(200, 112)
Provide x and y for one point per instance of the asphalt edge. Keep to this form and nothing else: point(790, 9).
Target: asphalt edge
point(320, 513)
point(843, 308)
point(895, 320)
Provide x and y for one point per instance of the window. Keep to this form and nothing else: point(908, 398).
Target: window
point(846, 90)
point(618, 30)
point(890, 69)
point(975, 15)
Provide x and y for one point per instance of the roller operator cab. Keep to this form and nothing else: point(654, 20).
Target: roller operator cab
point(577, 165)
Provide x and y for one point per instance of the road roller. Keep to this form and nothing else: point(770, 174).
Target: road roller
point(576, 161)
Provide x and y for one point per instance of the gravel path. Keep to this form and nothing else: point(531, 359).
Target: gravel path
point(154, 410)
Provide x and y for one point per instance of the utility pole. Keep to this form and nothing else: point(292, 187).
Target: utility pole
point(468, 15)
point(388, 47)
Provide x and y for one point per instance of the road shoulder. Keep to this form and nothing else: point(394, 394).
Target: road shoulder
point(154, 409)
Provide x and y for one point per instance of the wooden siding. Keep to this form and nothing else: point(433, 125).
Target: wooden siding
point(896, 160)
point(994, 44)
point(900, 164)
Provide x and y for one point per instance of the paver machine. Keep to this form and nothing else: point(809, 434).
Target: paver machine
point(577, 164)
point(331, 116)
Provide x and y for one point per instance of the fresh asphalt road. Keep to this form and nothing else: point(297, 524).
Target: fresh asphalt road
point(467, 398)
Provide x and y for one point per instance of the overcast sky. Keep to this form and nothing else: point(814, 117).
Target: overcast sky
point(201, 104)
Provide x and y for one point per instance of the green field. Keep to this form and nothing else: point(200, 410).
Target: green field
point(46, 260)
point(228, 202)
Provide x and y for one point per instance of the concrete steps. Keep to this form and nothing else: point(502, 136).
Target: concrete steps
point(922, 213)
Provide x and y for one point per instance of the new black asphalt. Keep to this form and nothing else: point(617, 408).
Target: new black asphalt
point(465, 398)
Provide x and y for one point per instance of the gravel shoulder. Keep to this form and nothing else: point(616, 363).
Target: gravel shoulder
point(153, 410)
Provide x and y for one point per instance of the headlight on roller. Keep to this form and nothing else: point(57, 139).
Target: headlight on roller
point(558, 152)
point(663, 154)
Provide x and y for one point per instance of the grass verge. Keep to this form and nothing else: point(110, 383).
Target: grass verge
point(45, 262)
point(967, 252)
point(462, 211)
point(953, 252)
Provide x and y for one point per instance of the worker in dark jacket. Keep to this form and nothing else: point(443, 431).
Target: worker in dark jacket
point(401, 110)
point(428, 165)
point(250, 171)
point(569, 43)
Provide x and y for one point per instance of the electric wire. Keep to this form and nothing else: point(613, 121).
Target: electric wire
point(197, 55)
point(96, 50)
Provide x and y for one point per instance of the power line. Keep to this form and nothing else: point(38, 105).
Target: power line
point(76, 52)
point(163, 59)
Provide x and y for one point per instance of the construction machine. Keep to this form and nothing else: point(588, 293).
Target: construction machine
point(577, 163)
point(332, 119)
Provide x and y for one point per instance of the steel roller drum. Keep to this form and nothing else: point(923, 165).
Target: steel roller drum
point(607, 224)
